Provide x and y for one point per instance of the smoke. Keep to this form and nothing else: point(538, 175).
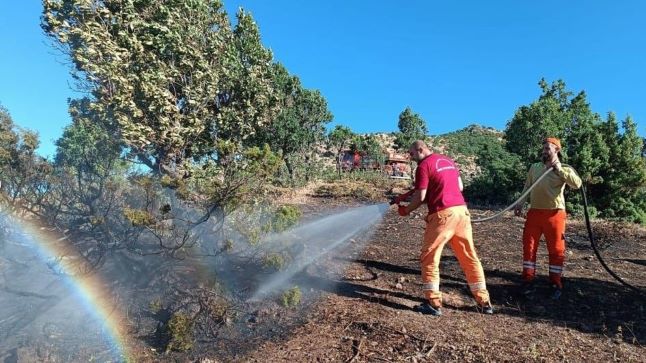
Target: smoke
point(315, 239)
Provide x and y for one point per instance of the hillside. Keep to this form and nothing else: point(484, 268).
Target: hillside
point(462, 145)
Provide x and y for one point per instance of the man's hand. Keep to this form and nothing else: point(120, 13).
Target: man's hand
point(402, 197)
point(402, 210)
point(555, 162)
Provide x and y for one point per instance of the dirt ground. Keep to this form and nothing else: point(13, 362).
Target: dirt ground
point(365, 313)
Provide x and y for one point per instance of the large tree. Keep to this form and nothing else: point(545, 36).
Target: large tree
point(411, 127)
point(628, 179)
point(544, 117)
point(88, 161)
point(301, 122)
point(173, 77)
point(24, 175)
point(339, 139)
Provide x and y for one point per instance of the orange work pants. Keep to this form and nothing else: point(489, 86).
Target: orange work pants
point(551, 223)
point(451, 225)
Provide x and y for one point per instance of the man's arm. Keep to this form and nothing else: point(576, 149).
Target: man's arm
point(418, 199)
point(568, 175)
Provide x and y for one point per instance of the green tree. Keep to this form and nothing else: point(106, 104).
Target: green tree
point(501, 179)
point(411, 127)
point(587, 150)
point(339, 139)
point(545, 117)
point(628, 181)
point(88, 163)
point(173, 76)
point(602, 192)
point(301, 122)
point(25, 176)
point(9, 138)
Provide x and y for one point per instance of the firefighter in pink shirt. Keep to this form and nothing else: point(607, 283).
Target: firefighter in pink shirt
point(438, 184)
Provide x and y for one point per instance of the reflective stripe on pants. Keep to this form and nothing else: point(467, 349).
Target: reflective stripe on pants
point(551, 223)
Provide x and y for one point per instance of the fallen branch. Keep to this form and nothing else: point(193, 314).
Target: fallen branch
point(430, 351)
point(357, 348)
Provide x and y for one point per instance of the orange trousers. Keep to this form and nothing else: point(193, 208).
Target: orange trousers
point(451, 225)
point(551, 223)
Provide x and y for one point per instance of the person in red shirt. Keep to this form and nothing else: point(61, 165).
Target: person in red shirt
point(438, 184)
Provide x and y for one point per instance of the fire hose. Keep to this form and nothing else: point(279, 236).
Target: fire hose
point(522, 197)
point(587, 223)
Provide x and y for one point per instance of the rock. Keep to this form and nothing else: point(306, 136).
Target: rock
point(399, 286)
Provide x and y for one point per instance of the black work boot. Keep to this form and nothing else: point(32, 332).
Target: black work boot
point(427, 309)
point(527, 289)
point(556, 292)
point(486, 309)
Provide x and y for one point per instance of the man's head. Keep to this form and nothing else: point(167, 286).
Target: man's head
point(551, 148)
point(419, 150)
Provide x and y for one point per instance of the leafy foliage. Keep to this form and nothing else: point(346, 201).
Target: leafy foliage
point(502, 174)
point(180, 327)
point(285, 217)
point(26, 177)
point(299, 125)
point(174, 78)
point(411, 127)
point(339, 139)
point(291, 297)
point(610, 163)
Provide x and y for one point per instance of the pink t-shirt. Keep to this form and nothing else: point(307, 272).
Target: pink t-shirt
point(438, 174)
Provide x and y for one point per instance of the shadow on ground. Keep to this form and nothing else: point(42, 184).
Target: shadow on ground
point(588, 305)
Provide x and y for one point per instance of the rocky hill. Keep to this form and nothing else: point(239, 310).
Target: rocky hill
point(462, 145)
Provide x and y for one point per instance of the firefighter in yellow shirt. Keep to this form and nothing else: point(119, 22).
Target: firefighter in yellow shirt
point(546, 216)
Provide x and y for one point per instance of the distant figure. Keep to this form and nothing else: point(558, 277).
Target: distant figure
point(546, 216)
point(438, 183)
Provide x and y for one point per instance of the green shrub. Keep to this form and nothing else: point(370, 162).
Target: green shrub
point(286, 216)
point(155, 305)
point(180, 328)
point(274, 260)
point(291, 297)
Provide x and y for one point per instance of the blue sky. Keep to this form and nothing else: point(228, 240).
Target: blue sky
point(453, 62)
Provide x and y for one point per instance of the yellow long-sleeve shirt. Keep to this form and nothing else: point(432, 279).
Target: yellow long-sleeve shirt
point(548, 194)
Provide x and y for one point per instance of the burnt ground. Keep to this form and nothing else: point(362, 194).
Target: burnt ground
point(365, 313)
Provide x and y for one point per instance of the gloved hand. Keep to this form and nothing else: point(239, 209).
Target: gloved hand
point(402, 211)
point(402, 197)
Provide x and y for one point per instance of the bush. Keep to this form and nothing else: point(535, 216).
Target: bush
point(286, 216)
point(274, 260)
point(155, 305)
point(291, 297)
point(180, 328)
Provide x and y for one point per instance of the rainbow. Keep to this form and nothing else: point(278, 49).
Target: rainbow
point(89, 289)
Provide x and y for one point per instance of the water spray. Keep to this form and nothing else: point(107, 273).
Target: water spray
point(317, 238)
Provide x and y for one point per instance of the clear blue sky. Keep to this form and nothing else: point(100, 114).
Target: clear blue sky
point(454, 62)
